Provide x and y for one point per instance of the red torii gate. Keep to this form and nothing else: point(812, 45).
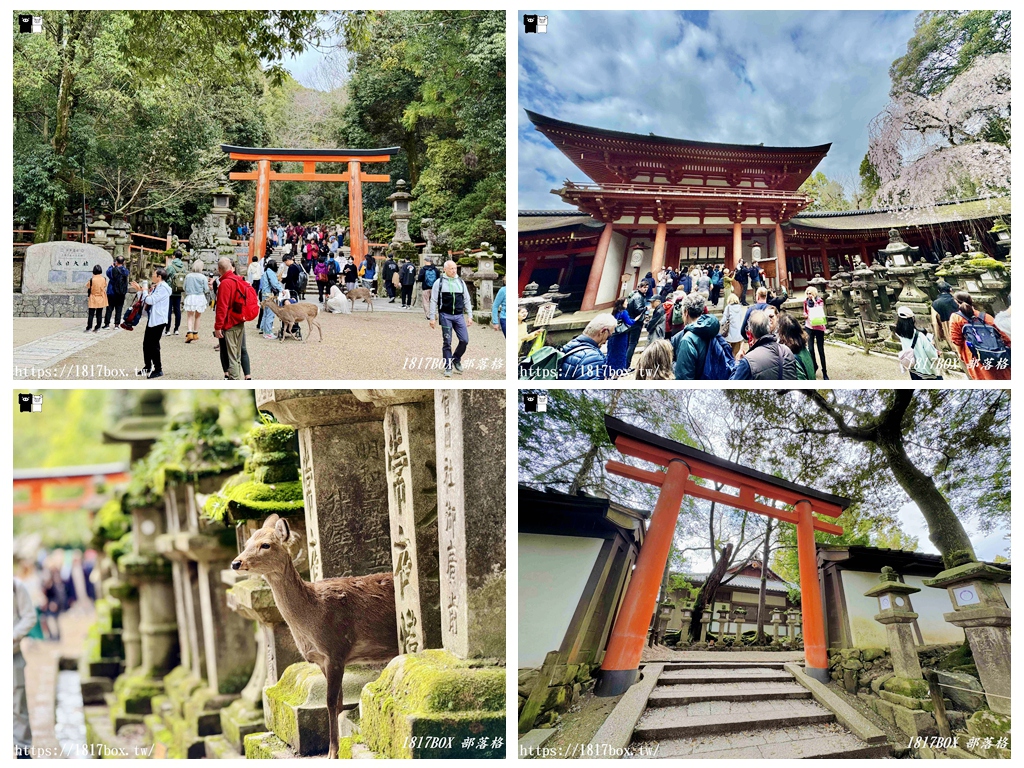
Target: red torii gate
point(263, 175)
point(625, 646)
point(84, 478)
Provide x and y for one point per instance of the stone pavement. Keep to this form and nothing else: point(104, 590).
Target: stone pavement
point(731, 707)
point(42, 657)
point(388, 344)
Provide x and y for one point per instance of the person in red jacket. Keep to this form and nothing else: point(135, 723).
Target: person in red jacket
point(229, 326)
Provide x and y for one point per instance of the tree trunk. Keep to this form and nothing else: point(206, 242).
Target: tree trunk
point(762, 593)
point(706, 594)
point(944, 528)
point(657, 635)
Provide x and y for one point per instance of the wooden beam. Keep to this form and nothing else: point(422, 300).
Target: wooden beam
point(310, 158)
point(278, 176)
point(309, 167)
point(374, 176)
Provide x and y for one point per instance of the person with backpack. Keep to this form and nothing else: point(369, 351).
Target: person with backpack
point(618, 342)
point(452, 304)
point(732, 323)
point(760, 302)
point(983, 348)
point(792, 335)
point(739, 280)
point(815, 322)
point(427, 276)
point(407, 279)
point(766, 359)
point(389, 270)
point(320, 273)
point(637, 308)
point(691, 346)
point(196, 286)
point(176, 279)
point(675, 317)
point(716, 285)
point(333, 270)
point(117, 289)
point(96, 291)
point(236, 305)
point(918, 355)
point(582, 358)
point(158, 303)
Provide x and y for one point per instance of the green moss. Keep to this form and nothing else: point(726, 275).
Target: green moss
point(985, 722)
point(234, 683)
point(300, 684)
point(432, 693)
point(265, 746)
point(110, 523)
point(144, 566)
point(487, 617)
point(915, 689)
point(272, 438)
point(986, 262)
point(961, 657)
point(248, 500)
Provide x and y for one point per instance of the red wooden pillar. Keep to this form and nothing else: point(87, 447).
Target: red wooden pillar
point(864, 254)
point(737, 245)
point(781, 271)
point(594, 280)
point(626, 644)
point(826, 269)
point(355, 212)
point(258, 241)
point(815, 653)
point(529, 263)
point(658, 256)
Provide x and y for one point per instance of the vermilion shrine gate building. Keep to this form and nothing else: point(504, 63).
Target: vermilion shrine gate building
point(685, 203)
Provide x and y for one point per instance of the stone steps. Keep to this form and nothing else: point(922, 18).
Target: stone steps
point(670, 696)
point(740, 710)
point(716, 717)
point(698, 675)
point(793, 742)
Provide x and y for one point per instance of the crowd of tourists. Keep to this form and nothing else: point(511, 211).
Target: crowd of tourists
point(687, 340)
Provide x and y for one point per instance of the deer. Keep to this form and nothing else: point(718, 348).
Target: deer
point(360, 293)
point(295, 313)
point(335, 622)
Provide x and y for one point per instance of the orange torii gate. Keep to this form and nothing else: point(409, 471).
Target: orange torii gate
point(84, 478)
point(263, 175)
point(625, 646)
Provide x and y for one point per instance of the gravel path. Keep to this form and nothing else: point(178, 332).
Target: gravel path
point(361, 345)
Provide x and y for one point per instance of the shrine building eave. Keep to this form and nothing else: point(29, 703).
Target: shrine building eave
point(684, 203)
point(607, 156)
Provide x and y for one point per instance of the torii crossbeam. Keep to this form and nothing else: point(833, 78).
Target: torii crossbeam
point(263, 175)
point(683, 463)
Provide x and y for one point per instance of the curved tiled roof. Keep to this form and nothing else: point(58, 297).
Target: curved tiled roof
point(943, 213)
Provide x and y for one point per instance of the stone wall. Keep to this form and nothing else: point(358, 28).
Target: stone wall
point(50, 305)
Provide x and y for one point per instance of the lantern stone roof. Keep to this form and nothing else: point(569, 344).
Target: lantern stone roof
point(610, 157)
point(886, 218)
point(543, 221)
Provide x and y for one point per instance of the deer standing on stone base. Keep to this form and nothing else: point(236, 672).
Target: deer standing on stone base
point(335, 622)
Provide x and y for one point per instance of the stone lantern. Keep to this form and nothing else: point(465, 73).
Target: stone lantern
point(981, 611)
point(687, 613)
point(1002, 232)
point(99, 233)
point(484, 277)
point(400, 213)
point(792, 622)
point(740, 617)
point(705, 621)
point(895, 613)
point(776, 620)
point(723, 623)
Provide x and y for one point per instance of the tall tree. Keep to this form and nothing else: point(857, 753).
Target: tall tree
point(828, 194)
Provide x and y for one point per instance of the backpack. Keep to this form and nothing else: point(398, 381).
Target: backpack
point(985, 342)
point(302, 281)
point(541, 364)
point(677, 313)
point(430, 277)
point(907, 357)
point(118, 281)
point(178, 280)
point(719, 362)
point(247, 305)
point(332, 269)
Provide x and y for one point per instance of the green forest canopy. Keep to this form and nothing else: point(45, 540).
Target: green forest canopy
point(130, 107)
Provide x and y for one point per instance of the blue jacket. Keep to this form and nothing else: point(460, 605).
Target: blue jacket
point(110, 275)
point(583, 360)
point(269, 283)
point(691, 345)
point(746, 317)
point(498, 307)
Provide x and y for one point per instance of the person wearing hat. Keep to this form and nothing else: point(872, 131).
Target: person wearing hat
point(427, 276)
point(918, 355)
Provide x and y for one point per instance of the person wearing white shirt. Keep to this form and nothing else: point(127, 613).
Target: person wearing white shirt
point(158, 302)
point(24, 621)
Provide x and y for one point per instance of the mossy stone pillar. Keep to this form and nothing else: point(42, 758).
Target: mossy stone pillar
point(470, 430)
point(741, 616)
point(128, 597)
point(183, 579)
point(705, 621)
point(776, 620)
point(981, 611)
point(410, 456)
point(723, 623)
point(896, 614)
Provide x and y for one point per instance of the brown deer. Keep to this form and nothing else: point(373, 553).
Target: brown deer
point(360, 293)
point(335, 622)
point(290, 314)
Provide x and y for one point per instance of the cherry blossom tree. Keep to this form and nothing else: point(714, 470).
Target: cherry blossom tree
point(953, 145)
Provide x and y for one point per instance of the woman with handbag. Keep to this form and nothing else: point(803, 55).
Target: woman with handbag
point(618, 342)
point(816, 321)
point(196, 301)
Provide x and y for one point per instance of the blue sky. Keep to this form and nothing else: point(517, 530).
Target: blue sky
point(781, 78)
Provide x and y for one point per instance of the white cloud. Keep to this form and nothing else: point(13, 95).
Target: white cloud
point(786, 78)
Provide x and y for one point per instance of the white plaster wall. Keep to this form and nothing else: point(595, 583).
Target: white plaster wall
point(553, 570)
point(608, 290)
point(930, 604)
